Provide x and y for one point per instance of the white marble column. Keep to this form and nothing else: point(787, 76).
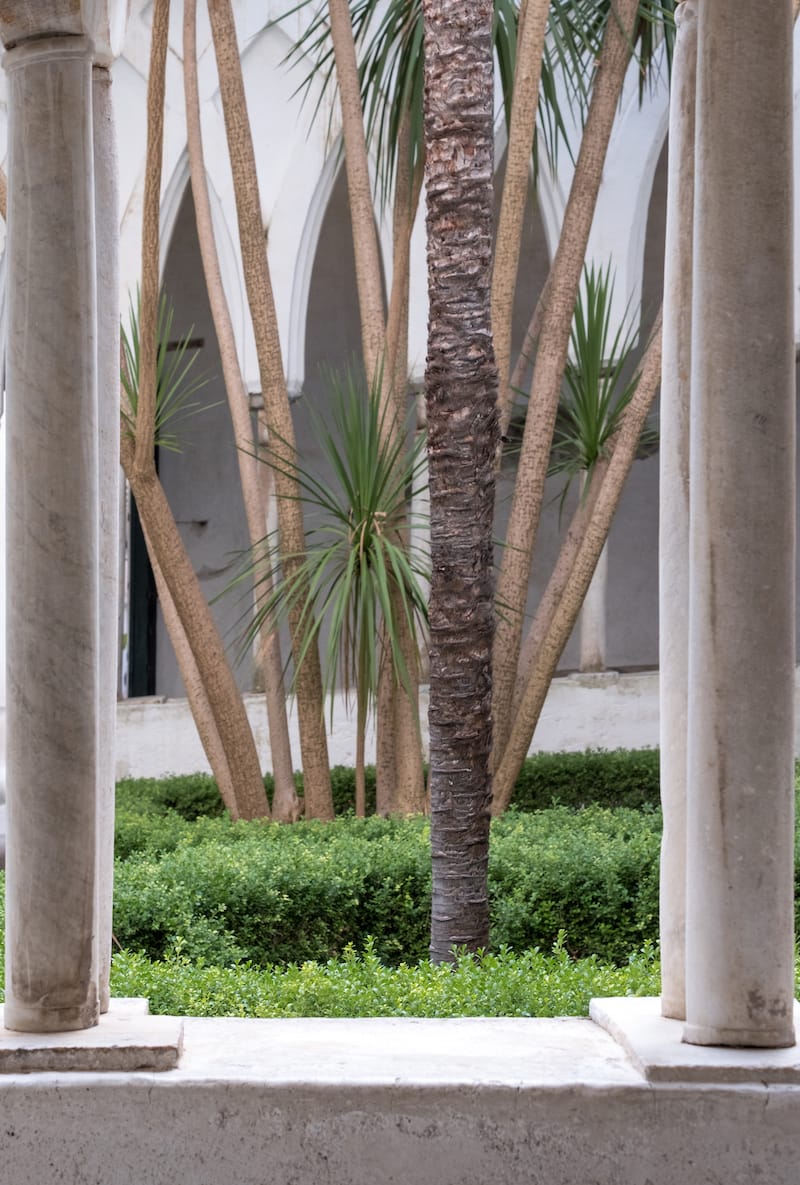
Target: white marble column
point(739, 923)
point(673, 575)
point(52, 622)
point(106, 207)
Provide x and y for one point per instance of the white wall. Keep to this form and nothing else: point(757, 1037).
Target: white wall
point(374, 1102)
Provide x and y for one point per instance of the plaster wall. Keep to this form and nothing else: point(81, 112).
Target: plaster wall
point(368, 1102)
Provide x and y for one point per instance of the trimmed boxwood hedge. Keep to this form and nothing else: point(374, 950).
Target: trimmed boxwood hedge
point(616, 777)
point(271, 894)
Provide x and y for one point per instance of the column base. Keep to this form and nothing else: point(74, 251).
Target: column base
point(739, 1038)
point(126, 1039)
point(656, 1047)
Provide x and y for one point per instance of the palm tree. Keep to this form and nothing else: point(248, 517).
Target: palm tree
point(597, 388)
point(138, 427)
point(285, 806)
point(355, 575)
point(277, 420)
point(461, 396)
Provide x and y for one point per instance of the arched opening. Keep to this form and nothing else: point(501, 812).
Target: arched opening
point(201, 481)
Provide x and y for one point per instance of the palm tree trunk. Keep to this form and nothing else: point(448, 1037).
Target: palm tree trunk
point(232, 726)
point(461, 388)
point(622, 456)
point(557, 583)
point(138, 460)
point(362, 213)
point(195, 692)
point(285, 805)
point(516, 189)
point(313, 740)
point(552, 354)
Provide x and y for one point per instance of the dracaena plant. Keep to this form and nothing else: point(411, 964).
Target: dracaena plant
point(177, 377)
point(356, 574)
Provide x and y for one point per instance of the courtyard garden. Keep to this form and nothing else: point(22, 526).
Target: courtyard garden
point(221, 918)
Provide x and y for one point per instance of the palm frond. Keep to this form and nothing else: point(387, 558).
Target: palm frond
point(177, 379)
point(356, 573)
point(596, 390)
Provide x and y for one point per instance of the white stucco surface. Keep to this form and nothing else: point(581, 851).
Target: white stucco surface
point(156, 736)
point(368, 1102)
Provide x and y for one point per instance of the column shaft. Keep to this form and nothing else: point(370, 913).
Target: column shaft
point(51, 974)
point(673, 577)
point(107, 251)
point(739, 926)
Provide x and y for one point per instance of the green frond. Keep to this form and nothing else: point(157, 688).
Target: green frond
point(177, 379)
point(356, 574)
point(598, 384)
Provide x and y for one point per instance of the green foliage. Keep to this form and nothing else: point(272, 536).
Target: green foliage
point(355, 573)
point(531, 984)
point(176, 379)
point(596, 391)
point(272, 894)
point(277, 894)
point(611, 778)
point(619, 777)
point(591, 874)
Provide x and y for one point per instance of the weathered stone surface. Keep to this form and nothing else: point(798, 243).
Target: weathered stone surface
point(51, 512)
point(740, 785)
point(656, 1048)
point(126, 1039)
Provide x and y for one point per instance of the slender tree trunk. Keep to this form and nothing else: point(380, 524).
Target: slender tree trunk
point(461, 387)
point(195, 692)
point(365, 236)
point(313, 740)
point(516, 189)
point(622, 456)
point(285, 804)
point(399, 758)
point(402, 786)
point(138, 460)
point(551, 357)
point(592, 639)
point(557, 583)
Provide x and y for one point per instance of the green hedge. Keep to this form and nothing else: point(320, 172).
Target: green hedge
point(531, 984)
point(610, 778)
point(271, 894)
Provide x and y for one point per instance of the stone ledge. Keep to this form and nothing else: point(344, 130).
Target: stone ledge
point(126, 1039)
point(656, 1048)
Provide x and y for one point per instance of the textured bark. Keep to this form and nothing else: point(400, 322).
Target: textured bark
point(277, 416)
point(195, 692)
point(407, 793)
point(559, 577)
point(461, 390)
point(138, 461)
point(517, 186)
point(622, 456)
point(151, 224)
point(285, 804)
point(359, 190)
point(552, 355)
point(531, 339)
point(233, 728)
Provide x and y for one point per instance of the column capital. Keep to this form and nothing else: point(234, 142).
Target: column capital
point(47, 49)
point(685, 11)
point(103, 21)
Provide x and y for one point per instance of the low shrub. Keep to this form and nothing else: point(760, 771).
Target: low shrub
point(270, 894)
point(531, 984)
point(608, 777)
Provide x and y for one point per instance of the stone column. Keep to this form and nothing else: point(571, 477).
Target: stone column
point(673, 576)
point(106, 205)
point(52, 622)
point(739, 931)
